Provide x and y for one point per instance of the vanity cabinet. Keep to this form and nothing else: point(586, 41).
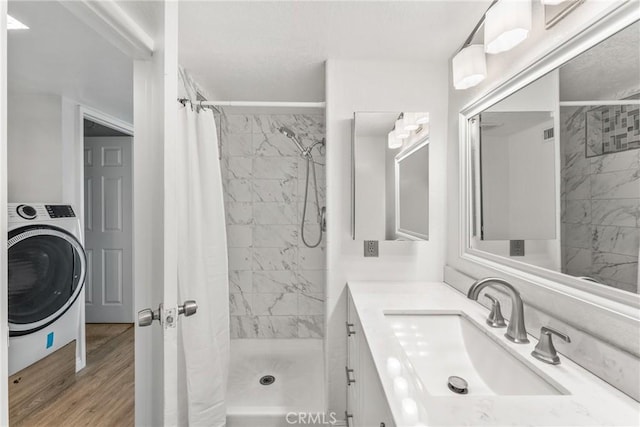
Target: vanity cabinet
point(366, 402)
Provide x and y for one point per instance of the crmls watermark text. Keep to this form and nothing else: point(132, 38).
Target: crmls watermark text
point(312, 418)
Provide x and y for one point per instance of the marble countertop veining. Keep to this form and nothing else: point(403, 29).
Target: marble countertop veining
point(590, 401)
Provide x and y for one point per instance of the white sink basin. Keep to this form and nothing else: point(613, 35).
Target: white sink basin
point(440, 345)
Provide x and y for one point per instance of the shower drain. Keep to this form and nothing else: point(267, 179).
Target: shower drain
point(267, 380)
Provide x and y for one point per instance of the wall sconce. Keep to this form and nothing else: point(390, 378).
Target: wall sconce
point(469, 67)
point(406, 125)
point(507, 23)
point(409, 122)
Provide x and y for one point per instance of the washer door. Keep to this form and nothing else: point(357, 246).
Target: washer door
point(46, 272)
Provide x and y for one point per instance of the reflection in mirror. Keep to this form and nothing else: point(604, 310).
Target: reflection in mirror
point(377, 207)
point(412, 192)
point(557, 168)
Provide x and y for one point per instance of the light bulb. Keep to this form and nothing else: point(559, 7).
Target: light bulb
point(400, 131)
point(409, 121)
point(507, 23)
point(393, 142)
point(469, 67)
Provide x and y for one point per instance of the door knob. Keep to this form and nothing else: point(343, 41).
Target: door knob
point(188, 308)
point(147, 316)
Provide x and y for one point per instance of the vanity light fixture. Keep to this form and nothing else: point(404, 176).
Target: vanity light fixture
point(507, 24)
point(401, 132)
point(469, 67)
point(392, 141)
point(409, 122)
point(14, 24)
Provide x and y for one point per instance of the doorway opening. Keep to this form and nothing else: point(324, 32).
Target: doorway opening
point(50, 387)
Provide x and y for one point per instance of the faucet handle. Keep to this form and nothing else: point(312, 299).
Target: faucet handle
point(495, 319)
point(545, 350)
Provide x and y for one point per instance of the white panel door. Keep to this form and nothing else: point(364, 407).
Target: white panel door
point(108, 229)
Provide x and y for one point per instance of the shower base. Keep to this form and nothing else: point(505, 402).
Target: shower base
point(297, 368)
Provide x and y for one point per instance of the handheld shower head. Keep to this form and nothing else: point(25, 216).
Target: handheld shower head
point(292, 136)
point(287, 132)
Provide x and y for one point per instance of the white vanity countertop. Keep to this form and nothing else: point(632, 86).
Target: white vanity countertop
point(590, 402)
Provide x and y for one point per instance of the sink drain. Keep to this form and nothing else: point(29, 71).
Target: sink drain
point(267, 380)
point(458, 385)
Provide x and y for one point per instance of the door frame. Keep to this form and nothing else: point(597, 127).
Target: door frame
point(4, 309)
point(153, 58)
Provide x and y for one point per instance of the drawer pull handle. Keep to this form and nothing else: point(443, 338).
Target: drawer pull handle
point(349, 330)
point(347, 372)
point(346, 418)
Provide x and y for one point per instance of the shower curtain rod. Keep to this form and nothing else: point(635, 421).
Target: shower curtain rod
point(596, 103)
point(263, 104)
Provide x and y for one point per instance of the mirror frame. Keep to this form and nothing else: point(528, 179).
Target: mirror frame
point(408, 234)
point(613, 299)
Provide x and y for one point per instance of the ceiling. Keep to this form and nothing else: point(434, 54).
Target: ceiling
point(275, 51)
point(609, 70)
point(61, 55)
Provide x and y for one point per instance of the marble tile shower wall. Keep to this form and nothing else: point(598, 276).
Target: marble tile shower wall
point(600, 208)
point(276, 283)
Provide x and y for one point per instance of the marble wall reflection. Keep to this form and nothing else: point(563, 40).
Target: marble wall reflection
point(276, 283)
point(612, 129)
point(600, 208)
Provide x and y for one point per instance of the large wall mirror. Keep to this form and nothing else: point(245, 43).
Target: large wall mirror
point(390, 176)
point(554, 172)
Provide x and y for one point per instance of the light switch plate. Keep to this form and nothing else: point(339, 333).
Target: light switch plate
point(370, 248)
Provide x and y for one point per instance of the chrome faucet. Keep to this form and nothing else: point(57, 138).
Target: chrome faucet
point(516, 331)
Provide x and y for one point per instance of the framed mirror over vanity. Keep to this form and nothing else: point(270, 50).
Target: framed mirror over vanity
point(550, 167)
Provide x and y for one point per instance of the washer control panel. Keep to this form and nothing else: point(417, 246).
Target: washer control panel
point(26, 212)
point(60, 211)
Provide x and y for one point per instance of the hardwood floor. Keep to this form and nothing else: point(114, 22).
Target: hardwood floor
point(49, 393)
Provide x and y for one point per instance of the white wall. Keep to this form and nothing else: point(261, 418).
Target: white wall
point(495, 184)
point(376, 86)
point(34, 148)
point(45, 148)
point(518, 185)
point(532, 196)
point(602, 341)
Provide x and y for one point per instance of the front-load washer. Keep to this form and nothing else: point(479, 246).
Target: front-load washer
point(47, 267)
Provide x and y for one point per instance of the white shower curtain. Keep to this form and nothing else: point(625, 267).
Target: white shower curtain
point(202, 270)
